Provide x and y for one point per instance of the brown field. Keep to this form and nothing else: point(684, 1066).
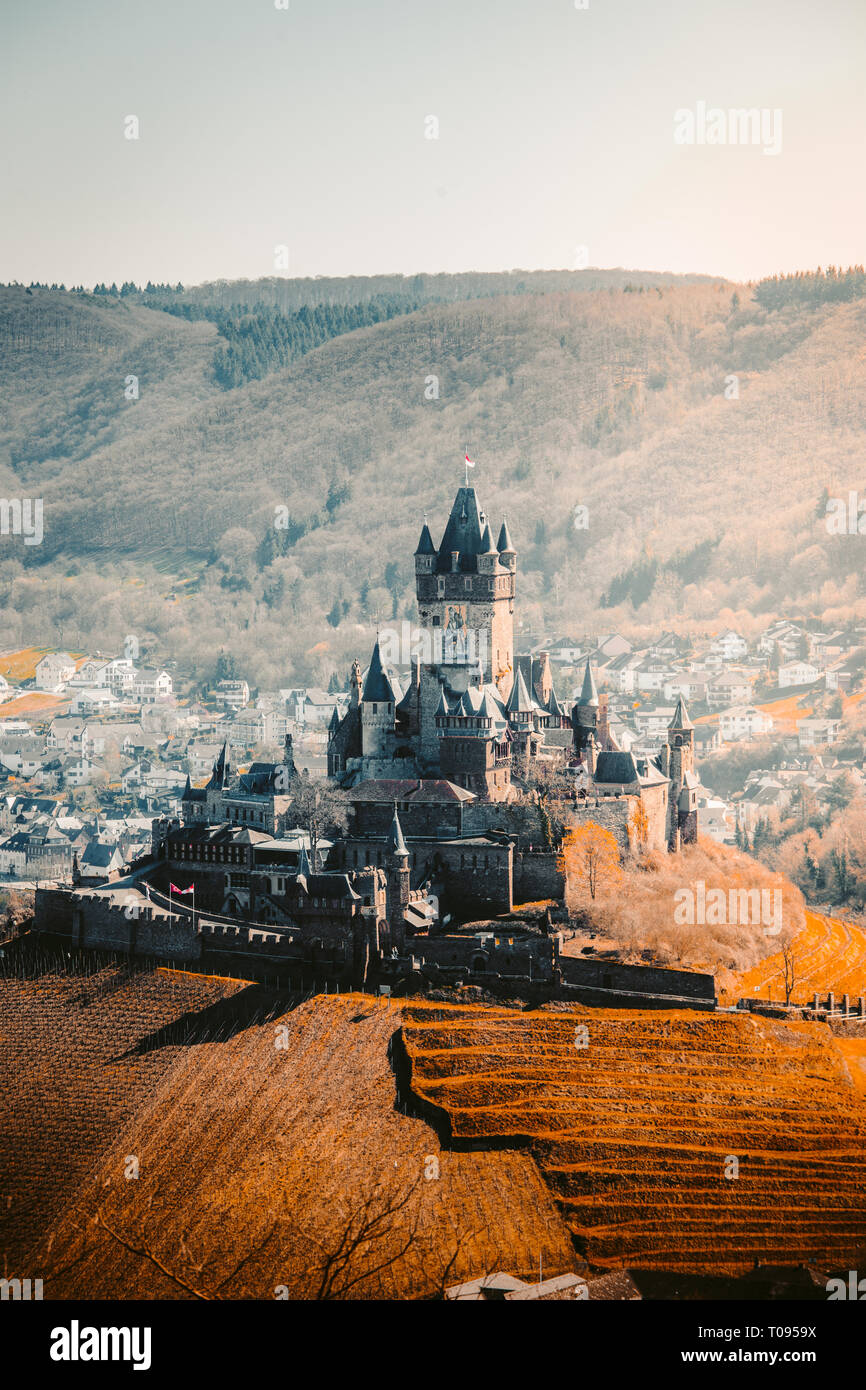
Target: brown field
point(632, 1132)
point(33, 703)
point(254, 1160)
point(829, 954)
point(21, 665)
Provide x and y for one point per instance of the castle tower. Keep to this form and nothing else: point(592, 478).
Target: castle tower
point(378, 707)
point(398, 881)
point(679, 765)
point(584, 713)
point(472, 581)
point(681, 741)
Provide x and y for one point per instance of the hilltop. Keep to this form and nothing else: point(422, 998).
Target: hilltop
point(159, 511)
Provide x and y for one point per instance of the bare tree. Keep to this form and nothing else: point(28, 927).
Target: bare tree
point(788, 970)
point(320, 807)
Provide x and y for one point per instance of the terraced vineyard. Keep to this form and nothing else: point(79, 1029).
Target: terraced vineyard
point(632, 1132)
point(259, 1130)
point(829, 954)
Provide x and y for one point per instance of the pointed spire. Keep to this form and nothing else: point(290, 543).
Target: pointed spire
point(396, 843)
point(554, 707)
point(463, 531)
point(303, 865)
point(588, 694)
point(377, 686)
point(487, 547)
point(425, 544)
point(681, 716)
point(442, 707)
point(519, 701)
point(187, 789)
point(504, 542)
point(334, 724)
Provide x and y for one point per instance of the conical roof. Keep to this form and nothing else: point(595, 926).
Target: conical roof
point(553, 705)
point(519, 700)
point(463, 532)
point(378, 685)
point(335, 721)
point(396, 843)
point(588, 693)
point(681, 716)
point(487, 546)
point(303, 865)
point(504, 542)
point(442, 707)
point(425, 544)
point(488, 708)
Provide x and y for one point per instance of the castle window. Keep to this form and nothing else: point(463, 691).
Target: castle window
point(467, 582)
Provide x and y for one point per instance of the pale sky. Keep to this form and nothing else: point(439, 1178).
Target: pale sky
point(306, 127)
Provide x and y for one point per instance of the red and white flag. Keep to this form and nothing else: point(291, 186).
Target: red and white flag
point(470, 463)
point(173, 888)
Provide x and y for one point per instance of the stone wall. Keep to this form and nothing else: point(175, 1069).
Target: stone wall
point(646, 979)
point(536, 877)
point(94, 920)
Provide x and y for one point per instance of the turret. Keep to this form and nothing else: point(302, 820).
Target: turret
point(507, 553)
point(398, 881)
point(425, 553)
point(355, 685)
point(584, 714)
point(378, 707)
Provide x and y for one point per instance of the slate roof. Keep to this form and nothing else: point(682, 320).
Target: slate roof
point(462, 533)
point(588, 694)
point(616, 767)
point(425, 544)
point(377, 686)
point(519, 701)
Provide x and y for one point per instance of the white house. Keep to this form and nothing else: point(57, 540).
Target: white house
point(151, 684)
point(566, 650)
point(93, 699)
point(812, 733)
point(744, 721)
point(798, 673)
point(232, 694)
point(728, 688)
point(692, 688)
point(54, 670)
point(715, 819)
point(654, 723)
point(730, 646)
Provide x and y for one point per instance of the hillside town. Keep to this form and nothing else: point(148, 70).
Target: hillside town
point(96, 747)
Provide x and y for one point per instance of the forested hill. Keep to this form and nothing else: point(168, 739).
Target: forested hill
point(701, 428)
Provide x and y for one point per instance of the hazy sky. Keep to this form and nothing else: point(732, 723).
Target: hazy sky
point(306, 127)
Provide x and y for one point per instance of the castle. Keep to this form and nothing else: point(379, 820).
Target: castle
point(476, 716)
point(467, 713)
